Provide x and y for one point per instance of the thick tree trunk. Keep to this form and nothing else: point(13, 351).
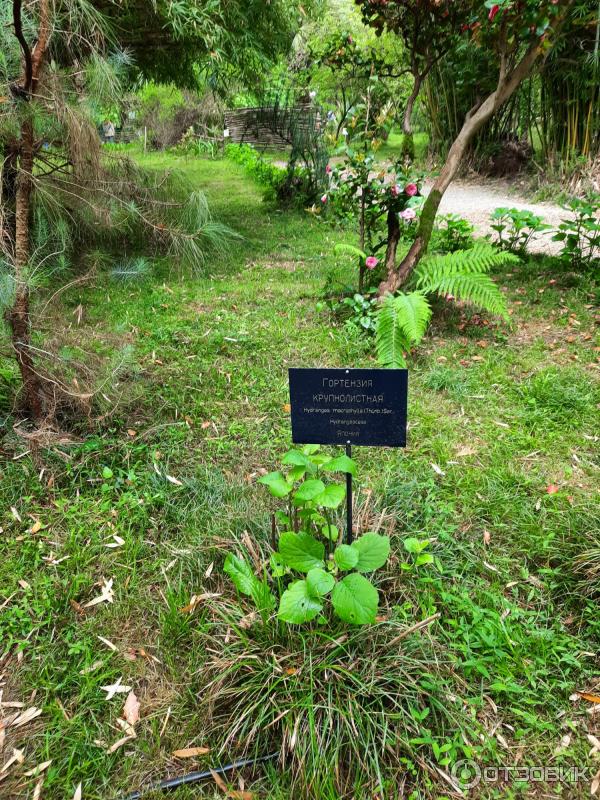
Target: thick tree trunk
point(475, 119)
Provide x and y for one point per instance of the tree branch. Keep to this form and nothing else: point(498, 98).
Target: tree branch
point(18, 26)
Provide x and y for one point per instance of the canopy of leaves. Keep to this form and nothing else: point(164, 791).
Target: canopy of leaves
point(182, 40)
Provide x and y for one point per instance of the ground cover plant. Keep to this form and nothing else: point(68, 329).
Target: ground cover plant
point(114, 542)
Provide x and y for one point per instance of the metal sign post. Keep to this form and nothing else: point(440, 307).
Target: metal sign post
point(363, 407)
point(349, 523)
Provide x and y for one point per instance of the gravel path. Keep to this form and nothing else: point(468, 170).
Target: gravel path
point(476, 201)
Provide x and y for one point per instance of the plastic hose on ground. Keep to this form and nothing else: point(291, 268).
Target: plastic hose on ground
point(194, 777)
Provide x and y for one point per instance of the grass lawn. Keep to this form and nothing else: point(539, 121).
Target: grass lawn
point(501, 475)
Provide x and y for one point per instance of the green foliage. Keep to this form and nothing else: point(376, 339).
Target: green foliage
point(515, 228)
point(401, 323)
point(310, 548)
point(452, 233)
point(273, 179)
point(580, 233)
point(464, 275)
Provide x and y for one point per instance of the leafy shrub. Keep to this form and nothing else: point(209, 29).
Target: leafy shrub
point(452, 233)
point(515, 228)
point(580, 235)
point(310, 545)
point(276, 181)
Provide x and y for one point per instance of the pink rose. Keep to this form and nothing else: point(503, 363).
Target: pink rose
point(324, 198)
point(328, 170)
point(493, 11)
point(371, 262)
point(408, 214)
point(411, 189)
point(395, 190)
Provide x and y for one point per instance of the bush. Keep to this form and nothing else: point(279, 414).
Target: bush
point(452, 233)
point(281, 185)
point(168, 113)
point(515, 228)
point(580, 234)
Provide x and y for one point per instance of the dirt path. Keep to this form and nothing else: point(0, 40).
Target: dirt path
point(476, 201)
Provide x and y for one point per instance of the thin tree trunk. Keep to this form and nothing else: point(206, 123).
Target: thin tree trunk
point(408, 145)
point(19, 317)
point(19, 314)
point(393, 237)
point(475, 119)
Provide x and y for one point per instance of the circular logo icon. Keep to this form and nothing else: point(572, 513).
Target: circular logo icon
point(466, 773)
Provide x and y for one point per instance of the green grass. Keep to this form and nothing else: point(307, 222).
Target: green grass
point(504, 411)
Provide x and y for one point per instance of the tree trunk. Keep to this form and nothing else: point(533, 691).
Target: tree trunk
point(408, 144)
point(393, 237)
point(18, 316)
point(475, 119)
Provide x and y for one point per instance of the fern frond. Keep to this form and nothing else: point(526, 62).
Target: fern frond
point(349, 248)
point(401, 322)
point(480, 258)
point(463, 274)
point(478, 289)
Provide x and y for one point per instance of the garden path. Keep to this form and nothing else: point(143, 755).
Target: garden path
point(475, 200)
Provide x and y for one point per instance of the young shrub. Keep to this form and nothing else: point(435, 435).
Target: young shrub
point(515, 228)
point(325, 576)
point(452, 233)
point(580, 234)
point(322, 669)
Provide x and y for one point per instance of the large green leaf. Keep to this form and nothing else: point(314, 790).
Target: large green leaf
point(373, 551)
point(298, 605)
point(278, 486)
point(341, 464)
point(332, 496)
point(309, 490)
point(345, 556)
point(297, 458)
point(320, 582)
point(355, 599)
point(241, 574)
point(301, 552)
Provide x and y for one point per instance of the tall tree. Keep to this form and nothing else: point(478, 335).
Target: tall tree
point(178, 40)
point(519, 33)
point(428, 29)
point(58, 189)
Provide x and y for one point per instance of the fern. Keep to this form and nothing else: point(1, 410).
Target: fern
point(349, 248)
point(401, 322)
point(463, 274)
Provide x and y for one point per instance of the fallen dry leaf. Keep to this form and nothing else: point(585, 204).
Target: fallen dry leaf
point(591, 698)
point(119, 743)
point(173, 480)
point(552, 489)
point(106, 594)
point(115, 688)
point(36, 770)
point(78, 794)
point(191, 752)
point(131, 709)
point(437, 470)
point(36, 527)
point(487, 537)
point(109, 644)
point(16, 758)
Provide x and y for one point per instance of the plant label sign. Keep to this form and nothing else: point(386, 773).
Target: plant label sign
point(349, 406)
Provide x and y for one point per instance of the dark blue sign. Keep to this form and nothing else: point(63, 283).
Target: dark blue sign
point(349, 406)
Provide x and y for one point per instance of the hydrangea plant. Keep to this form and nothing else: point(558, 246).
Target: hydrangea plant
point(313, 572)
